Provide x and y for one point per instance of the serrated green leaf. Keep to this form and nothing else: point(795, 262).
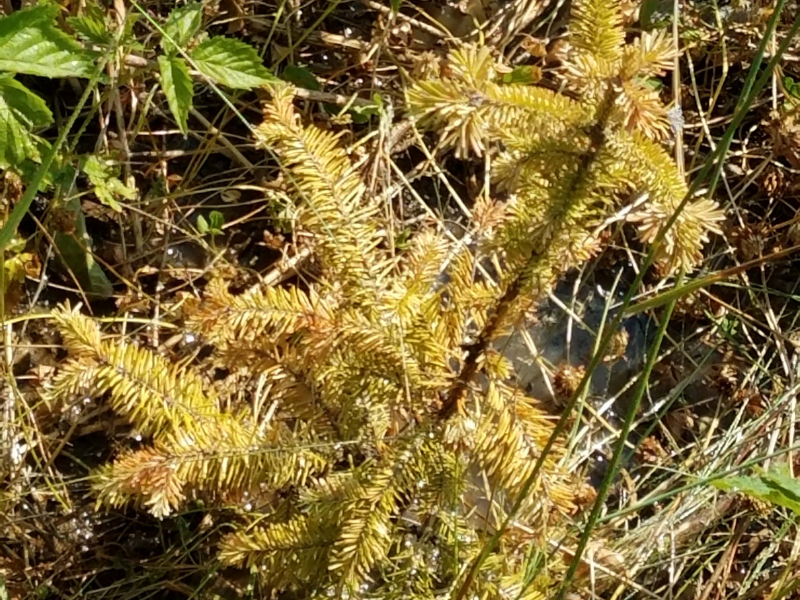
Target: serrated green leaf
point(182, 25)
point(777, 487)
point(93, 25)
point(202, 224)
point(178, 88)
point(106, 184)
point(301, 77)
point(231, 63)
point(21, 111)
point(39, 14)
point(30, 43)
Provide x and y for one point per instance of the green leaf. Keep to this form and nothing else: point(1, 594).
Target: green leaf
point(776, 486)
point(231, 63)
point(402, 239)
point(30, 43)
point(781, 479)
point(362, 114)
point(105, 181)
point(74, 251)
point(523, 75)
point(202, 224)
point(93, 26)
point(359, 114)
point(395, 4)
point(653, 84)
point(182, 25)
point(178, 89)
point(215, 222)
point(791, 86)
point(21, 111)
point(15, 268)
point(212, 225)
point(22, 206)
point(301, 77)
point(728, 325)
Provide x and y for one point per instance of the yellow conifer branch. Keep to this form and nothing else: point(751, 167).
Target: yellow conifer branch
point(219, 455)
point(154, 394)
point(330, 193)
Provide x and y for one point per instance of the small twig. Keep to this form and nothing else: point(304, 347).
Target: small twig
point(282, 270)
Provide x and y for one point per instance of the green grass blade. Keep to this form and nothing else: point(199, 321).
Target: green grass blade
point(619, 448)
